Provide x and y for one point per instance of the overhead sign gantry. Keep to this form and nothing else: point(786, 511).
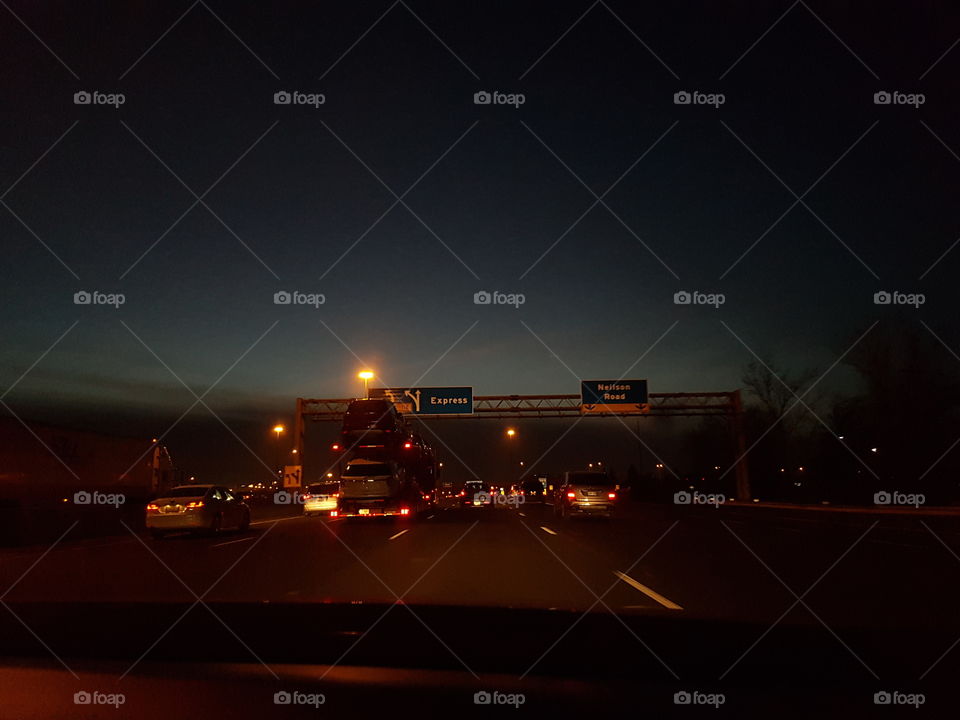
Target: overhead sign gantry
point(494, 407)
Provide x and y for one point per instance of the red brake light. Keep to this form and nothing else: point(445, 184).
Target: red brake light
point(407, 446)
point(335, 446)
point(612, 496)
point(195, 504)
point(153, 506)
point(404, 511)
point(571, 494)
point(333, 513)
point(306, 496)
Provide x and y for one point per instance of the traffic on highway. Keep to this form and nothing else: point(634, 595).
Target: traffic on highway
point(550, 359)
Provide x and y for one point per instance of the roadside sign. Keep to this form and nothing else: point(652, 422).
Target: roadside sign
point(613, 396)
point(429, 400)
point(292, 475)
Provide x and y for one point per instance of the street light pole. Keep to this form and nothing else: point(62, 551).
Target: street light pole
point(366, 376)
point(278, 429)
point(512, 455)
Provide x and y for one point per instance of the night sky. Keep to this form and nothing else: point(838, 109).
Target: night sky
point(301, 200)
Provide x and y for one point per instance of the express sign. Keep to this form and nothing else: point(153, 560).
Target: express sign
point(430, 401)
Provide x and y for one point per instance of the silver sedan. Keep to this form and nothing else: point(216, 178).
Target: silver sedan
point(198, 508)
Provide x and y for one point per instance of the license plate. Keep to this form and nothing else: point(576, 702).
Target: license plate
point(364, 511)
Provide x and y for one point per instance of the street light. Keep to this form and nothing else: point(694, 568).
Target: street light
point(366, 376)
point(278, 429)
point(512, 453)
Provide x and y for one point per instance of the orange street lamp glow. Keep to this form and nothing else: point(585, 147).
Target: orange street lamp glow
point(366, 376)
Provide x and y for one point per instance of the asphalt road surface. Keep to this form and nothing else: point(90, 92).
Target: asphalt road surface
point(731, 563)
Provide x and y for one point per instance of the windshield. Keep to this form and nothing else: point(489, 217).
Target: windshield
point(185, 492)
point(324, 489)
point(590, 479)
point(367, 470)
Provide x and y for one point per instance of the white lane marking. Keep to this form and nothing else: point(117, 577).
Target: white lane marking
point(653, 594)
point(264, 522)
point(394, 537)
point(522, 515)
point(546, 529)
point(231, 542)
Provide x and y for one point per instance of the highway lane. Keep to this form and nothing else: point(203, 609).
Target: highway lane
point(728, 563)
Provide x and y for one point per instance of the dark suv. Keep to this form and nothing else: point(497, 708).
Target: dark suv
point(532, 491)
point(372, 421)
point(585, 493)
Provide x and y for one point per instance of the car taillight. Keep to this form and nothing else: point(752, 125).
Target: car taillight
point(612, 496)
point(462, 493)
point(404, 511)
point(306, 496)
point(153, 506)
point(407, 446)
point(333, 513)
point(335, 446)
point(197, 504)
point(571, 494)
